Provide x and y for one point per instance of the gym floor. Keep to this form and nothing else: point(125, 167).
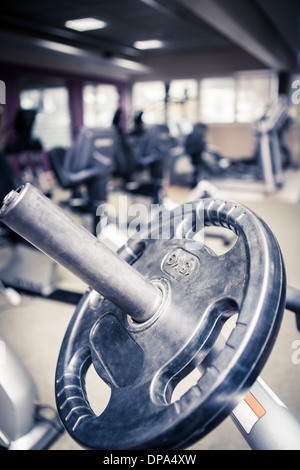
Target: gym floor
point(36, 327)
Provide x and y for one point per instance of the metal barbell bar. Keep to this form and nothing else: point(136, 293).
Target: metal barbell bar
point(37, 219)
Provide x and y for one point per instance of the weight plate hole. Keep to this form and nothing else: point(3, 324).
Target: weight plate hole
point(98, 392)
point(185, 385)
point(190, 380)
point(219, 239)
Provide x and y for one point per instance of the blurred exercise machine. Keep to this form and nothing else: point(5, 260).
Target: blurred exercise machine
point(270, 159)
point(138, 151)
point(25, 424)
point(23, 421)
point(23, 267)
point(25, 153)
point(273, 155)
point(20, 138)
point(87, 163)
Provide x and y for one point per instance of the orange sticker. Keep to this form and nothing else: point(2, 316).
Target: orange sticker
point(254, 405)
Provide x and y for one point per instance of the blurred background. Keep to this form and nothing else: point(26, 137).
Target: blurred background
point(163, 101)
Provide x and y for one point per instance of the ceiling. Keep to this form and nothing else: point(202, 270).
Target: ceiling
point(263, 31)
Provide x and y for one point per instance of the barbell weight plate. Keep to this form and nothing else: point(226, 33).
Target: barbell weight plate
point(142, 362)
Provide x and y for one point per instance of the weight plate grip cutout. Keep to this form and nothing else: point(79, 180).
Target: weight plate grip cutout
point(195, 292)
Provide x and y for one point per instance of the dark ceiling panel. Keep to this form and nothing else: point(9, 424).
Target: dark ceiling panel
point(128, 20)
point(285, 16)
point(172, 21)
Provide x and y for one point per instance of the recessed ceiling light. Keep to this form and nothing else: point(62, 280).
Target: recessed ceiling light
point(59, 47)
point(85, 24)
point(129, 64)
point(149, 44)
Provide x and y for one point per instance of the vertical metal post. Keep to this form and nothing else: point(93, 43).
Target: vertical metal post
point(265, 422)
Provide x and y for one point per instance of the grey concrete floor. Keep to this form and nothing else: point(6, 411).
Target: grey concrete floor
point(36, 327)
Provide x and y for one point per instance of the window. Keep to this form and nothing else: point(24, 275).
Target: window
point(254, 94)
point(52, 123)
point(217, 100)
point(100, 103)
point(243, 97)
point(183, 102)
point(149, 97)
